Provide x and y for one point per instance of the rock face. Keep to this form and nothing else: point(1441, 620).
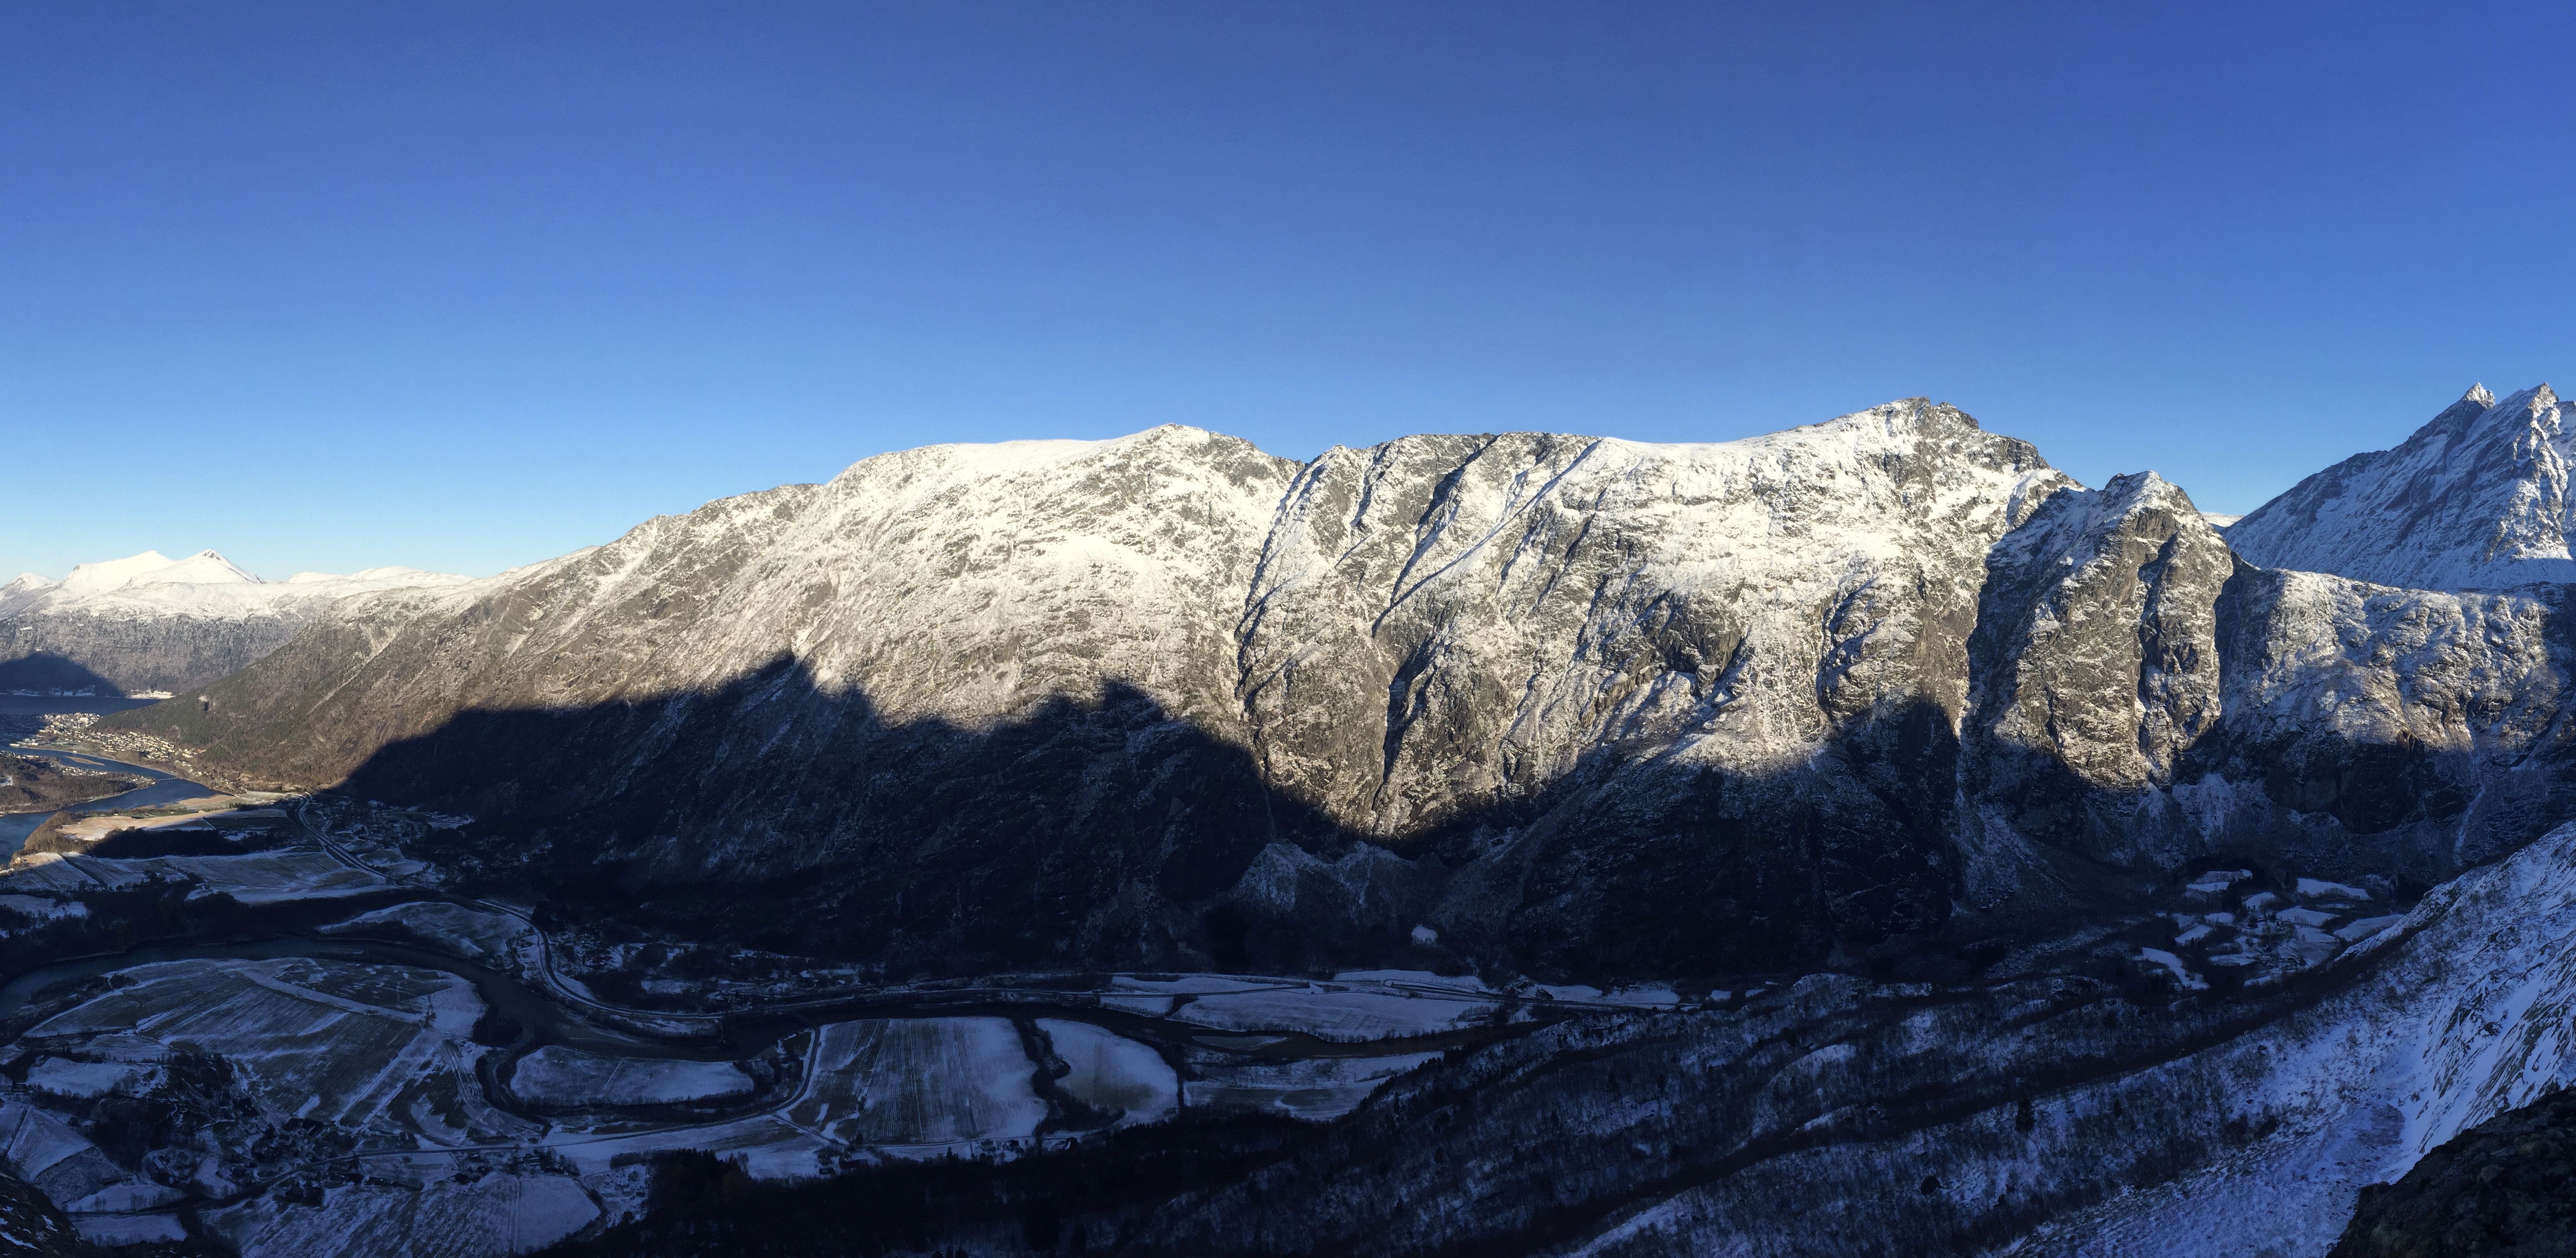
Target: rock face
point(1712, 688)
point(2145, 699)
point(2476, 499)
point(148, 624)
point(1575, 705)
point(2501, 1188)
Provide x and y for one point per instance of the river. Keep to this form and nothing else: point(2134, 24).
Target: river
point(165, 788)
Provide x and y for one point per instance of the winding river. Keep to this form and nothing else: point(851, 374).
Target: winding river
point(165, 788)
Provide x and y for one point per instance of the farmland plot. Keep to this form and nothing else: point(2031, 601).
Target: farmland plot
point(43, 1150)
point(1348, 1012)
point(64, 1077)
point(42, 908)
point(565, 1078)
point(920, 1082)
point(1112, 1073)
point(1317, 1089)
point(252, 878)
point(767, 1146)
point(366, 1046)
point(499, 1213)
point(497, 940)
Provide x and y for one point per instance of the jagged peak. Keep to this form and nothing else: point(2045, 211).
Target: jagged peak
point(2478, 393)
point(2529, 402)
point(2142, 489)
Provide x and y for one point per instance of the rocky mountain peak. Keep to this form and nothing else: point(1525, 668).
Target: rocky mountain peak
point(2116, 707)
point(2476, 499)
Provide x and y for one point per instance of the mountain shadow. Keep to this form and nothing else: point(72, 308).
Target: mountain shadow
point(1110, 834)
point(48, 673)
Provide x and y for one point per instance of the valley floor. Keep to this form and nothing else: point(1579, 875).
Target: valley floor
point(268, 1023)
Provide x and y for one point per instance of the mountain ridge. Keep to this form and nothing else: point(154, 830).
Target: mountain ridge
point(2475, 499)
point(1855, 679)
point(150, 624)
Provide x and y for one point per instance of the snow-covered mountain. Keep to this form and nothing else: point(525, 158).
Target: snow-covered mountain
point(149, 623)
point(2475, 500)
point(1566, 703)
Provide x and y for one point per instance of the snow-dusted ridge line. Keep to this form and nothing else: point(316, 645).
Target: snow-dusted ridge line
point(2478, 498)
point(153, 626)
point(204, 584)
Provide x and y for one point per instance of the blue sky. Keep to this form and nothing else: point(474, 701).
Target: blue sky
point(463, 286)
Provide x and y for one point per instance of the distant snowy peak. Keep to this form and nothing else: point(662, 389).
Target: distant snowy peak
point(152, 568)
point(202, 584)
point(23, 589)
point(2476, 499)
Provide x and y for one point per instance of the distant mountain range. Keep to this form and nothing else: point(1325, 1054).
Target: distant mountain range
point(150, 624)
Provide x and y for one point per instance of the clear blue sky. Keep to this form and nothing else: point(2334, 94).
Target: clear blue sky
point(466, 285)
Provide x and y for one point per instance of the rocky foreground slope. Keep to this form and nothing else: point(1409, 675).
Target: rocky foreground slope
point(1537, 702)
point(152, 625)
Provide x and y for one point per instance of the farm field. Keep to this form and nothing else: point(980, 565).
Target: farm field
point(1318, 1089)
point(1112, 1073)
point(1352, 1010)
point(497, 940)
point(564, 1078)
point(252, 878)
point(497, 1213)
point(382, 1049)
point(920, 1081)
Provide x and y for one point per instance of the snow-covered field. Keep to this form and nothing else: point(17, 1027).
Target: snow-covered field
point(65, 1077)
point(43, 908)
point(363, 1046)
point(1354, 1008)
point(498, 1213)
point(1112, 1073)
point(43, 1150)
point(766, 1146)
point(565, 1078)
point(1318, 1089)
point(492, 939)
point(920, 1081)
point(253, 878)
